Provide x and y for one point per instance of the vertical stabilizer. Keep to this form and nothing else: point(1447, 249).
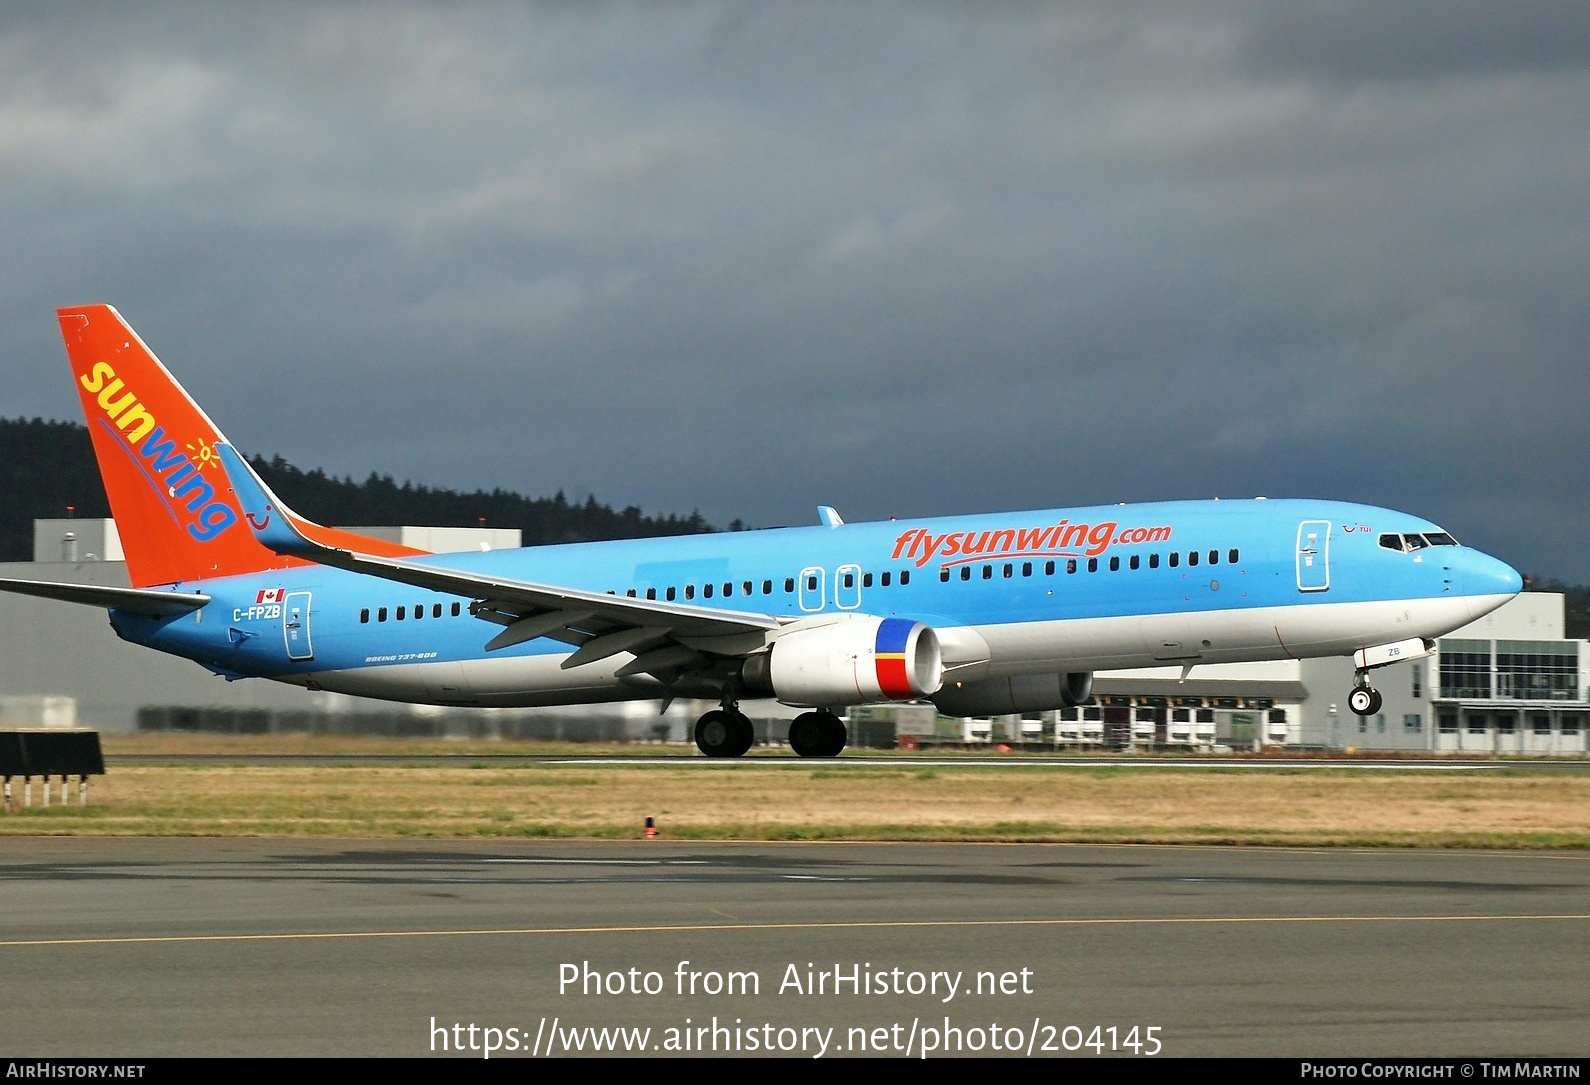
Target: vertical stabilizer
point(178, 518)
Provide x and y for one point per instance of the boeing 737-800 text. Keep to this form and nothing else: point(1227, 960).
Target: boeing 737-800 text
point(986, 614)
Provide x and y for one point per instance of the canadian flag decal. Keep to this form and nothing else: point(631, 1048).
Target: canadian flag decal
point(270, 595)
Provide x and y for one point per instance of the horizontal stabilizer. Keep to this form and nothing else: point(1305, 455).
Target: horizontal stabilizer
point(155, 604)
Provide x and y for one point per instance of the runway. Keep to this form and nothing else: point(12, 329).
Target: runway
point(283, 947)
point(859, 759)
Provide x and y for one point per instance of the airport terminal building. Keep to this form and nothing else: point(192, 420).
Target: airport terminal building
point(1510, 683)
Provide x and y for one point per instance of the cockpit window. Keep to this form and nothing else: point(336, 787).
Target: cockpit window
point(1411, 541)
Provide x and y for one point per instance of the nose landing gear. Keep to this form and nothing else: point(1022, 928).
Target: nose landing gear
point(1364, 700)
point(817, 734)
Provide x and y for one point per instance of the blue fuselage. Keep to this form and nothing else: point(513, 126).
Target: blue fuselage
point(1030, 592)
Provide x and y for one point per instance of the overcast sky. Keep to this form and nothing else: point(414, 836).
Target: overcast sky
point(906, 259)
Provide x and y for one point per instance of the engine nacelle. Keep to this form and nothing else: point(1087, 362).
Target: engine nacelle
point(860, 661)
point(1012, 696)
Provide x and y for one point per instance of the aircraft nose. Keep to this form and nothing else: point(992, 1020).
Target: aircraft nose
point(1488, 583)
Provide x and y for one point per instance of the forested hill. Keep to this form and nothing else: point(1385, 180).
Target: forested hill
point(46, 466)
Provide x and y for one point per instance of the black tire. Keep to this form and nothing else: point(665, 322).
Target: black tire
point(744, 733)
point(716, 734)
point(807, 735)
point(834, 734)
point(1364, 700)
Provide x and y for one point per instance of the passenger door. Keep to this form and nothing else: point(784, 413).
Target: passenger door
point(1314, 555)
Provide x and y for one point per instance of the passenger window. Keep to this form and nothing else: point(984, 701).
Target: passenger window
point(1009, 570)
point(690, 591)
point(402, 612)
point(1175, 559)
point(380, 615)
point(706, 592)
point(670, 594)
point(1115, 564)
point(1132, 561)
point(944, 576)
point(364, 616)
point(767, 587)
point(1048, 568)
point(905, 577)
point(850, 580)
point(1026, 568)
point(789, 585)
point(457, 607)
point(1231, 557)
point(811, 583)
point(651, 593)
point(1071, 565)
point(988, 572)
point(630, 593)
point(419, 612)
point(1214, 557)
point(748, 585)
point(966, 572)
point(1153, 561)
point(866, 580)
point(884, 579)
point(436, 611)
point(1192, 557)
point(1093, 565)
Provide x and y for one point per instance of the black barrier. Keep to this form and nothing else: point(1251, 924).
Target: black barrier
point(49, 753)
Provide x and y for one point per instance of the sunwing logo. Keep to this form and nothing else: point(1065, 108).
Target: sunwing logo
point(174, 475)
point(1062, 540)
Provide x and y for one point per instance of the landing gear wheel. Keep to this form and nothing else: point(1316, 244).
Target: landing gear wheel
point(724, 733)
point(834, 734)
point(817, 734)
point(1364, 700)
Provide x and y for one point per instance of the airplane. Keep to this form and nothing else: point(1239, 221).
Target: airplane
point(980, 615)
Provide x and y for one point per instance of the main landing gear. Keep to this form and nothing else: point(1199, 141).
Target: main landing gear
point(1364, 700)
point(725, 732)
point(817, 734)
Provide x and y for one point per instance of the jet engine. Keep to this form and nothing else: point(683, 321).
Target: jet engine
point(859, 661)
point(1011, 696)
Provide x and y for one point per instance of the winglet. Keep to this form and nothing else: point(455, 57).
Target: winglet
point(266, 516)
point(828, 516)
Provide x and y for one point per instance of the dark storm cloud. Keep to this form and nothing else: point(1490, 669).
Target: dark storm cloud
point(901, 258)
point(1426, 39)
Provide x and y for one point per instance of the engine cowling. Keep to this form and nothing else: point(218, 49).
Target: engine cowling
point(1011, 696)
point(859, 661)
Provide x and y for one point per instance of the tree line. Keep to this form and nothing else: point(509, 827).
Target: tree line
point(47, 468)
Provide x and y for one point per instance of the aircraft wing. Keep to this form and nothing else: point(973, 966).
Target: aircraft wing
point(664, 637)
point(156, 604)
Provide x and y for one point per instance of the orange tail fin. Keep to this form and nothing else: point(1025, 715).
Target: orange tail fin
point(178, 518)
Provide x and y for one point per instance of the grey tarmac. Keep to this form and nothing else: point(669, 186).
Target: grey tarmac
point(138, 947)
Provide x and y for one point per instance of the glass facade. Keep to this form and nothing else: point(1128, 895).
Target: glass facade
point(1466, 669)
point(1518, 670)
point(1537, 670)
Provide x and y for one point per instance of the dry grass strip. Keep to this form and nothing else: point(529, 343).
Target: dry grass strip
point(1498, 808)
